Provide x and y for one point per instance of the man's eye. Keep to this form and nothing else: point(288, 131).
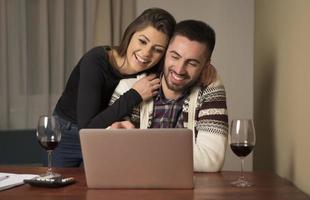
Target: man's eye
point(174, 57)
point(193, 64)
point(142, 41)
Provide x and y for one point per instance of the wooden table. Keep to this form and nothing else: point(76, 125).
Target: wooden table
point(207, 186)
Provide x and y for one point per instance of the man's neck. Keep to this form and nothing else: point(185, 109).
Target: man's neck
point(169, 94)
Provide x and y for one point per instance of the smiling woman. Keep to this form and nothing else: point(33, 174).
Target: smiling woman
point(145, 49)
point(84, 102)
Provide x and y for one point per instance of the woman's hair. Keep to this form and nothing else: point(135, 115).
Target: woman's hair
point(158, 18)
point(208, 75)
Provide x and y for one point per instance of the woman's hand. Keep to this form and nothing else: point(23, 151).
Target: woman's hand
point(147, 87)
point(122, 125)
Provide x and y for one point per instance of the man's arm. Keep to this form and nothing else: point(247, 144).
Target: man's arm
point(211, 129)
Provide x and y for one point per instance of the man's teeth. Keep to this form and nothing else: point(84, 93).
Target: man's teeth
point(177, 77)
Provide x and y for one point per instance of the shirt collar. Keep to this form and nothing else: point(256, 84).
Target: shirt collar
point(161, 96)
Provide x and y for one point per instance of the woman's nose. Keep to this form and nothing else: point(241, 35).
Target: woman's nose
point(147, 52)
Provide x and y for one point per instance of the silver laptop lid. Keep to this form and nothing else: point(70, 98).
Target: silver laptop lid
point(138, 158)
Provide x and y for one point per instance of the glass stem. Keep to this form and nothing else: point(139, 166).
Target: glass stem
point(242, 174)
point(49, 161)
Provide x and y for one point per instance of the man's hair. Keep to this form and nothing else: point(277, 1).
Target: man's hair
point(196, 31)
point(158, 18)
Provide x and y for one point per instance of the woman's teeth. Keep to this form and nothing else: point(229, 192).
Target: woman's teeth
point(141, 59)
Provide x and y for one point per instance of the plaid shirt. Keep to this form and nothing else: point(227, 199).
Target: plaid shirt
point(167, 113)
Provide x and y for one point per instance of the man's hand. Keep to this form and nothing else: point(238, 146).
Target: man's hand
point(123, 125)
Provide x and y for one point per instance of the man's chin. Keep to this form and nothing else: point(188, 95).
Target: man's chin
point(181, 88)
point(176, 88)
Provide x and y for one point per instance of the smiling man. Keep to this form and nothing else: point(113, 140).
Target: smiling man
point(191, 96)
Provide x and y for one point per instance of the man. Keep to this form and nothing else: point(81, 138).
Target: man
point(191, 96)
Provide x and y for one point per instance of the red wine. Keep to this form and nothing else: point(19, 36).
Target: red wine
point(241, 149)
point(49, 145)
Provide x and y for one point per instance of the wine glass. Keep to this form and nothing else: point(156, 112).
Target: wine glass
point(49, 135)
point(242, 142)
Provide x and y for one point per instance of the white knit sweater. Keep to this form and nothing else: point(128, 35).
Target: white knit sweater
point(204, 112)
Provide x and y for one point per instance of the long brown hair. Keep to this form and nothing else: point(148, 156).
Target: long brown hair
point(160, 19)
point(208, 75)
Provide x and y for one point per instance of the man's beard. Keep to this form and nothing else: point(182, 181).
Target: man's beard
point(179, 88)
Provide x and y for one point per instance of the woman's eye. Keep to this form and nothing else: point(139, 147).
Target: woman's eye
point(158, 50)
point(142, 41)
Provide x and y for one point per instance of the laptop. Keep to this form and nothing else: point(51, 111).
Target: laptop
point(138, 158)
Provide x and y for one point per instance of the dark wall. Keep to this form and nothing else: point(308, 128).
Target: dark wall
point(20, 147)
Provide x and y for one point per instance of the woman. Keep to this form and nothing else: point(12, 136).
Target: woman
point(84, 102)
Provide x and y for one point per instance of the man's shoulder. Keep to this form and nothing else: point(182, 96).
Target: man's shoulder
point(213, 92)
point(216, 84)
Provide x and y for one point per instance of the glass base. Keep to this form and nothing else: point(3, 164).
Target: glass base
point(241, 182)
point(50, 175)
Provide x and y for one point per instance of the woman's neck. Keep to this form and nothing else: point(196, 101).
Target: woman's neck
point(119, 63)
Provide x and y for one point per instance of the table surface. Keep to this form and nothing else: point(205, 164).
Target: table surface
point(207, 186)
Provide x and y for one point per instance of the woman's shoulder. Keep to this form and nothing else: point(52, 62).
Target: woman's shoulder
point(98, 52)
point(96, 57)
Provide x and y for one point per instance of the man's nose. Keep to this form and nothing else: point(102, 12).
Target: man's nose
point(179, 67)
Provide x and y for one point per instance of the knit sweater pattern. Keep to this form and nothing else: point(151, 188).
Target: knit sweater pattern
point(204, 112)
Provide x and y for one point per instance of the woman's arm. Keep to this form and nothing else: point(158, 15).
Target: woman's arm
point(96, 88)
point(121, 108)
point(97, 82)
